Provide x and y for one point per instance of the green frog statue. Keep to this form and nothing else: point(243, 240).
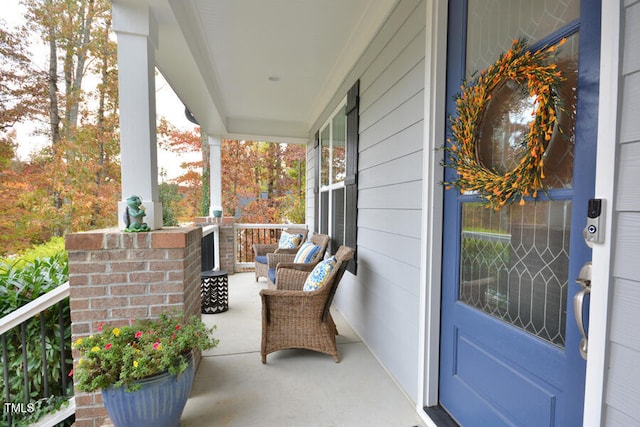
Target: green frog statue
point(133, 216)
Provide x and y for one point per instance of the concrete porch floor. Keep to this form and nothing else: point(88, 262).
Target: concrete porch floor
point(296, 387)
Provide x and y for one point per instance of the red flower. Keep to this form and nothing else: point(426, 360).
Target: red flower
point(138, 334)
point(100, 326)
point(177, 327)
point(71, 373)
point(108, 346)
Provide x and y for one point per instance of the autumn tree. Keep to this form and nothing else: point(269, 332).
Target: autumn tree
point(191, 184)
point(73, 183)
point(81, 160)
point(21, 95)
point(238, 179)
point(20, 99)
point(293, 202)
point(267, 179)
point(17, 230)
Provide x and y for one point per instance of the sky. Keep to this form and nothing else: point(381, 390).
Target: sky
point(167, 104)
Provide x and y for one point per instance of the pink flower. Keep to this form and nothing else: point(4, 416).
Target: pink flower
point(157, 345)
point(71, 373)
point(100, 326)
point(138, 334)
point(108, 346)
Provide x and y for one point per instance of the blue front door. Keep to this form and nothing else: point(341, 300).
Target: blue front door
point(509, 338)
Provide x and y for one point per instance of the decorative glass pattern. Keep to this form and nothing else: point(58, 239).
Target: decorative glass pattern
point(514, 265)
point(493, 24)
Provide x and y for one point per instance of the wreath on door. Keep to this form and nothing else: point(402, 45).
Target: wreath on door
point(536, 74)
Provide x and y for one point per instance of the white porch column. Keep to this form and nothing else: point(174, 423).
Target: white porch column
point(215, 174)
point(137, 33)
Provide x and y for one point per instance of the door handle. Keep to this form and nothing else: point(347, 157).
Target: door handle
point(584, 280)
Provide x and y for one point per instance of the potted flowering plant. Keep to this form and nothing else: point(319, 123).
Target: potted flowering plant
point(132, 364)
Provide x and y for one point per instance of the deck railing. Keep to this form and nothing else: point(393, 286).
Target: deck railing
point(16, 323)
point(248, 234)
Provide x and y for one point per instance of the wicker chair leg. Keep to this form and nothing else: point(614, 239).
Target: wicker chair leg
point(261, 270)
point(264, 359)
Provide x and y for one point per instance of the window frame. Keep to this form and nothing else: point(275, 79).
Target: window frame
point(350, 182)
point(330, 188)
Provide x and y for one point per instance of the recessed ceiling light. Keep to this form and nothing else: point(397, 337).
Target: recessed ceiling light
point(274, 78)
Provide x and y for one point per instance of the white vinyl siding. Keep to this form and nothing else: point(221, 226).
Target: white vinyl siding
point(381, 302)
point(622, 397)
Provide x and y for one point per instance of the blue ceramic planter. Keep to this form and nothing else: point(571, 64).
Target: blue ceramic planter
point(159, 402)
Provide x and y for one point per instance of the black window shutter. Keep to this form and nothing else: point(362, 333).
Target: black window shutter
point(352, 111)
point(316, 185)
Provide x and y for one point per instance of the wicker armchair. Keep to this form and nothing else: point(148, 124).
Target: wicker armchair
point(261, 250)
point(285, 260)
point(293, 318)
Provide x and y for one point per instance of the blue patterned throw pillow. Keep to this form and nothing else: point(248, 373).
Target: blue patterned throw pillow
point(306, 253)
point(289, 241)
point(320, 274)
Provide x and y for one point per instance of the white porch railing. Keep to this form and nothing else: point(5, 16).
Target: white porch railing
point(18, 318)
point(248, 234)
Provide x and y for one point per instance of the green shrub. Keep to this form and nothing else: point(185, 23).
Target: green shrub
point(22, 280)
point(54, 247)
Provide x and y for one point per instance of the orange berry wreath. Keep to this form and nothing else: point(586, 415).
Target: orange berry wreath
point(540, 77)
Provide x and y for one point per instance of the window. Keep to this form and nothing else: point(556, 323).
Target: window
point(333, 152)
point(336, 189)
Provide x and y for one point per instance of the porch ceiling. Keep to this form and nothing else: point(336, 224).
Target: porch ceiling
point(222, 56)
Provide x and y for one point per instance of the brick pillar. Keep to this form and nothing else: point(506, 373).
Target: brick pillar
point(116, 276)
point(227, 240)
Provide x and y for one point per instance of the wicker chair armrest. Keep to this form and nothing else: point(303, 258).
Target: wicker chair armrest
point(286, 251)
point(275, 258)
point(299, 266)
point(283, 294)
point(307, 267)
point(261, 249)
point(294, 299)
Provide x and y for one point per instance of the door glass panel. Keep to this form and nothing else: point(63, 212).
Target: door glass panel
point(505, 123)
point(533, 19)
point(514, 264)
point(507, 116)
point(558, 157)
